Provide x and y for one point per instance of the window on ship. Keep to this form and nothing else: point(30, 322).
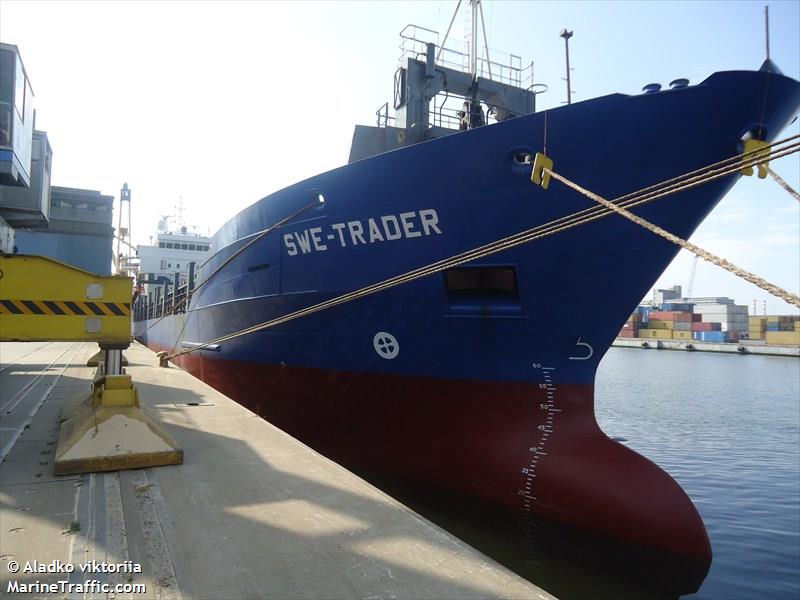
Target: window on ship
point(489, 290)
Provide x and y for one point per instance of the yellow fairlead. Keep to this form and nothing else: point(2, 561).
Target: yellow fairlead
point(751, 149)
point(541, 170)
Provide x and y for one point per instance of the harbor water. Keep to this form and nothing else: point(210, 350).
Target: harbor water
point(727, 428)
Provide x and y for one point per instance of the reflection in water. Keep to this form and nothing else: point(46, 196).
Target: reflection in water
point(565, 562)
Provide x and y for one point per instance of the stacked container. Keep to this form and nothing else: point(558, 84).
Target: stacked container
point(659, 334)
point(732, 317)
point(669, 324)
point(757, 327)
point(783, 330)
point(677, 307)
point(631, 327)
point(709, 336)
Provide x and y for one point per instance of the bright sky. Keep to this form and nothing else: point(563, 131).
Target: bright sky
point(222, 103)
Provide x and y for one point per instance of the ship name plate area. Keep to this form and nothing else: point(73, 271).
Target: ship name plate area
point(386, 228)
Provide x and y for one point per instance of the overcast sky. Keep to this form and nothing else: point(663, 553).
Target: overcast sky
point(222, 103)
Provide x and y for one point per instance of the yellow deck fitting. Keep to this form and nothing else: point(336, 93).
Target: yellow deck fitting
point(109, 431)
point(538, 176)
point(44, 300)
point(754, 145)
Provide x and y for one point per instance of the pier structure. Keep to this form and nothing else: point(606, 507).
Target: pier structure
point(252, 512)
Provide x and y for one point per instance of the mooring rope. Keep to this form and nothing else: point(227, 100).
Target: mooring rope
point(645, 195)
point(783, 184)
point(693, 248)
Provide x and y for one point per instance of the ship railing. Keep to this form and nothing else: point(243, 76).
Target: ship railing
point(496, 65)
point(446, 111)
point(445, 116)
point(160, 302)
point(442, 115)
point(383, 115)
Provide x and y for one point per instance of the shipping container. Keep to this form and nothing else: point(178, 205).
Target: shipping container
point(677, 306)
point(697, 318)
point(682, 326)
point(730, 309)
point(661, 334)
point(681, 335)
point(709, 336)
point(706, 326)
point(660, 315)
point(658, 324)
point(671, 315)
point(783, 338)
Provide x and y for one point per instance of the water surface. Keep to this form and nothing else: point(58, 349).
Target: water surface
point(727, 428)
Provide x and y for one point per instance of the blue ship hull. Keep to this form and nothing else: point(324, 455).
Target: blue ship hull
point(481, 390)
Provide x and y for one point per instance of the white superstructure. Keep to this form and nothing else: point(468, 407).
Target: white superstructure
point(172, 253)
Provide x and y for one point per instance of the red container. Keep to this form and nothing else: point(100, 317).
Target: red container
point(661, 315)
point(627, 333)
point(706, 326)
point(697, 318)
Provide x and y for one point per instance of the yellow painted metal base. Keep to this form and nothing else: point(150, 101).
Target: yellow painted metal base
point(99, 358)
point(109, 431)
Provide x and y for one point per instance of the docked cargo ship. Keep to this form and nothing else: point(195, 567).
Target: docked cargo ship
point(476, 381)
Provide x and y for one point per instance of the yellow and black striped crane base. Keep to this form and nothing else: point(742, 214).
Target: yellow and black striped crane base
point(43, 299)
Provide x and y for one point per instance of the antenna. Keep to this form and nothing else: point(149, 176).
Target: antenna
point(475, 15)
point(566, 35)
point(766, 27)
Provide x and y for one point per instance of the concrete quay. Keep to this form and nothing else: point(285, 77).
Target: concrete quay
point(743, 347)
point(252, 512)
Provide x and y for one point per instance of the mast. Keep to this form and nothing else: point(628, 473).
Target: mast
point(566, 35)
point(766, 27)
point(473, 42)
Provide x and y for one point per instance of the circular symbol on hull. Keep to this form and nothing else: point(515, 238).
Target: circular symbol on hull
point(386, 345)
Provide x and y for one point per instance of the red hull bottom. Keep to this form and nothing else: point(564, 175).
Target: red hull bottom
point(531, 449)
